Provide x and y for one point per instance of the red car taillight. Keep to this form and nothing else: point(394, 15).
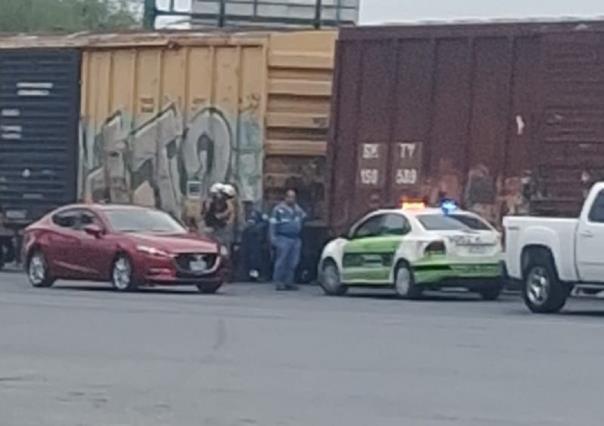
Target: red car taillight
point(437, 248)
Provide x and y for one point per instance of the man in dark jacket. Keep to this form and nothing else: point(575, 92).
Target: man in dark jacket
point(7, 248)
point(284, 230)
point(254, 251)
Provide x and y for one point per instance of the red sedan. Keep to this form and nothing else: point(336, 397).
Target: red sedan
point(127, 245)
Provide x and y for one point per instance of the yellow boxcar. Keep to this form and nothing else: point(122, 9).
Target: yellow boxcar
point(165, 115)
point(300, 70)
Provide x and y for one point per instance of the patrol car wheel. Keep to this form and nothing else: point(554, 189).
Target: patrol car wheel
point(404, 283)
point(492, 293)
point(330, 281)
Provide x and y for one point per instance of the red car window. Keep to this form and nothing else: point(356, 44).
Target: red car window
point(66, 219)
point(89, 218)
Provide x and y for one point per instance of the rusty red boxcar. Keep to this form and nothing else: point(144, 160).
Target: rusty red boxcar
point(506, 118)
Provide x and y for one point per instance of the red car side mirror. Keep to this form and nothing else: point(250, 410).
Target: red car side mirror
point(94, 230)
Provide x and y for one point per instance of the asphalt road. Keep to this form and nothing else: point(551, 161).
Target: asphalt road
point(83, 355)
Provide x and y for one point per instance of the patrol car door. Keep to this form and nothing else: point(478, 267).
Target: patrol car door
point(369, 255)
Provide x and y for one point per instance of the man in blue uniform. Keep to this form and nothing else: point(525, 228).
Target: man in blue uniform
point(285, 228)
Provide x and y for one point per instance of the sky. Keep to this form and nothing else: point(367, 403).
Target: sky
point(384, 11)
point(379, 11)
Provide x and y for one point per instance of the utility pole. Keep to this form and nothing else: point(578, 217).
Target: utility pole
point(222, 14)
point(318, 12)
point(150, 12)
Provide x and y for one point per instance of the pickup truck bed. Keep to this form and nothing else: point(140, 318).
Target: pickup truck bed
point(557, 235)
point(550, 256)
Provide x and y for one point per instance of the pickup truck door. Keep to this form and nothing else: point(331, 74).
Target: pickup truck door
point(590, 242)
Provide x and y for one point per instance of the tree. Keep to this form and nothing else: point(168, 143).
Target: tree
point(65, 15)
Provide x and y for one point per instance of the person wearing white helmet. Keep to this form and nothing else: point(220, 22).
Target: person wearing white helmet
point(216, 188)
point(227, 234)
point(218, 213)
point(229, 191)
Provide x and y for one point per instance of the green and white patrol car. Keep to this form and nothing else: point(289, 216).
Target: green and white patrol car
point(415, 248)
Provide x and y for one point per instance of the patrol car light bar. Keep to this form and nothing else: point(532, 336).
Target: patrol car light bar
point(448, 206)
point(413, 205)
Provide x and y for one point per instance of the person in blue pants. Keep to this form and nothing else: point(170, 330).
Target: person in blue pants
point(285, 227)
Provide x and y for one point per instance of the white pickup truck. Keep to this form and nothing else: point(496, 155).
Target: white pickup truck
point(551, 256)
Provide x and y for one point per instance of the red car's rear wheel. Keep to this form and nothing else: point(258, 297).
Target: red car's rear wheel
point(37, 270)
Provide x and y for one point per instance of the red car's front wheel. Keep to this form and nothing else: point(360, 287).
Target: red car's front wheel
point(122, 276)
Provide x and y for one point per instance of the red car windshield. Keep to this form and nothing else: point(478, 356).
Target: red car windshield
point(143, 221)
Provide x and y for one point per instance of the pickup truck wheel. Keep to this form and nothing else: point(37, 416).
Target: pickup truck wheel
point(331, 281)
point(543, 292)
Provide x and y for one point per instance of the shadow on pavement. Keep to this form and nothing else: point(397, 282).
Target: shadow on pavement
point(427, 297)
point(12, 270)
point(587, 313)
point(145, 290)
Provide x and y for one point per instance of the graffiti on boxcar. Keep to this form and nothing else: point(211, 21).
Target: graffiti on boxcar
point(491, 196)
point(445, 183)
point(480, 194)
point(160, 161)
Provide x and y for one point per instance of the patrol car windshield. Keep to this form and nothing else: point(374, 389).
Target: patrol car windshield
point(454, 222)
